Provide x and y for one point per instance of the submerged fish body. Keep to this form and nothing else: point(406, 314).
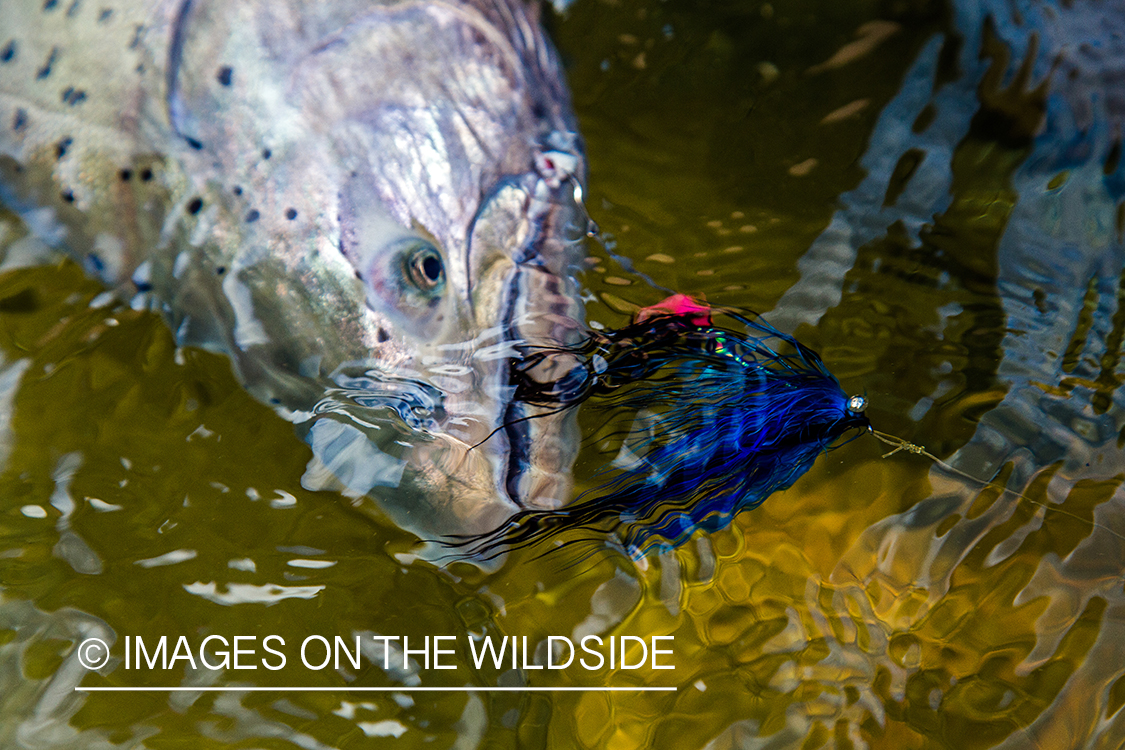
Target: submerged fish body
point(368, 206)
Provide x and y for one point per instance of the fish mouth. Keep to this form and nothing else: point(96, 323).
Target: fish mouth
point(544, 223)
point(542, 440)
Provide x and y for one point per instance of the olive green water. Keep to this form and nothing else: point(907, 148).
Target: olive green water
point(145, 494)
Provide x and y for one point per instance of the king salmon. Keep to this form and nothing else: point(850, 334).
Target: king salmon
point(370, 207)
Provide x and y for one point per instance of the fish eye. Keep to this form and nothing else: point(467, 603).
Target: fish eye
point(424, 267)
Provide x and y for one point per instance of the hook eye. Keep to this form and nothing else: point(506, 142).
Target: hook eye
point(856, 404)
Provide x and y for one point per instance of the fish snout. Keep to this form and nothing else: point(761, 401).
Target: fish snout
point(524, 248)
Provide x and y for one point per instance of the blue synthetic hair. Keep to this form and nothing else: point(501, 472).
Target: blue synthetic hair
point(729, 416)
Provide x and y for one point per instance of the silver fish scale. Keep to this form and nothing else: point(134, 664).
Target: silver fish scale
point(274, 176)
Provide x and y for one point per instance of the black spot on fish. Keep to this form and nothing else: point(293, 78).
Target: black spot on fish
point(73, 96)
point(125, 175)
point(220, 270)
point(8, 52)
point(224, 75)
point(105, 15)
point(237, 190)
point(68, 196)
point(52, 58)
point(138, 30)
point(95, 263)
point(195, 205)
point(73, 9)
point(266, 153)
point(193, 143)
point(50, 5)
point(252, 216)
point(291, 213)
point(19, 122)
point(382, 336)
point(62, 146)
point(146, 175)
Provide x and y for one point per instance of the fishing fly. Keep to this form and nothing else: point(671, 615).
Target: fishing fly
point(716, 419)
point(709, 420)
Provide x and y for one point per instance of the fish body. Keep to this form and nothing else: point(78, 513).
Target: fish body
point(369, 206)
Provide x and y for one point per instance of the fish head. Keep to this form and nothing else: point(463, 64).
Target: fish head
point(372, 207)
point(423, 183)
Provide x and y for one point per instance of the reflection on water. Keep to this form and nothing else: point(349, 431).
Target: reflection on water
point(929, 195)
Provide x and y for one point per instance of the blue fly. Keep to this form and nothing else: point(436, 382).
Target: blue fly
point(722, 418)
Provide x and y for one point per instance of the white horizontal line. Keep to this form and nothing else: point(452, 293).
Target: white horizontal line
point(462, 689)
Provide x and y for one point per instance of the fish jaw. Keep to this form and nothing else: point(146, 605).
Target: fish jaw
point(525, 245)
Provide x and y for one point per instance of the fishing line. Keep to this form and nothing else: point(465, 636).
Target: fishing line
point(903, 445)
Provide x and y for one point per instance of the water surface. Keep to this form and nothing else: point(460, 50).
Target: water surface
point(879, 176)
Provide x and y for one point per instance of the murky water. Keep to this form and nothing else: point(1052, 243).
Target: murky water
point(945, 232)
